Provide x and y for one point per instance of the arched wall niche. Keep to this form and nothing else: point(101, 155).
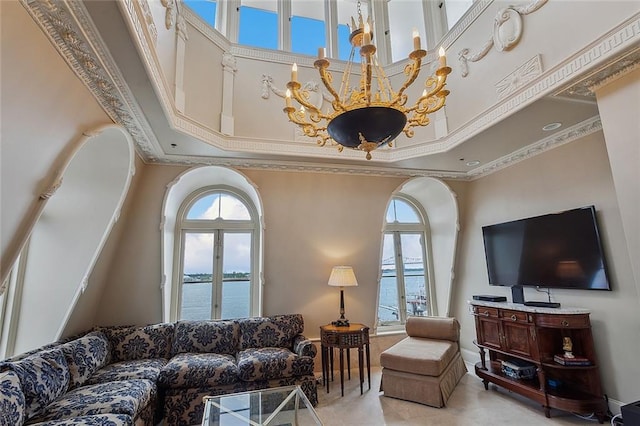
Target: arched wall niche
point(81, 206)
point(184, 185)
point(441, 206)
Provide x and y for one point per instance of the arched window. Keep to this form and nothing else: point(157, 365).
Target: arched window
point(216, 251)
point(405, 278)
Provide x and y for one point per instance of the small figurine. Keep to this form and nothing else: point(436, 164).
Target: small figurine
point(567, 346)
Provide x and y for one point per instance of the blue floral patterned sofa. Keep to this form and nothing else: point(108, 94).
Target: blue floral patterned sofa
point(138, 375)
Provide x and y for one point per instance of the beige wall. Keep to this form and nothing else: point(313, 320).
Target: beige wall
point(619, 105)
point(132, 293)
point(312, 222)
point(574, 175)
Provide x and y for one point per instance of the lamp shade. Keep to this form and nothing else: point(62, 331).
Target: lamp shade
point(342, 276)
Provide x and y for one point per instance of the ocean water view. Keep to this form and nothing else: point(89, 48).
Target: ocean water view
point(196, 298)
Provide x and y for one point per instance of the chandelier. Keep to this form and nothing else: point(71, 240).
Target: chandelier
point(370, 114)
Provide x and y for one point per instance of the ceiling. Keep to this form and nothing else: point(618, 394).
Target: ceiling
point(511, 139)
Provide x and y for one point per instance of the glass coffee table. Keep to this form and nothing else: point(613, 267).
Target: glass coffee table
point(283, 406)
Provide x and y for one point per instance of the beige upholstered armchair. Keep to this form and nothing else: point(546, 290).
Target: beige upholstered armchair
point(426, 366)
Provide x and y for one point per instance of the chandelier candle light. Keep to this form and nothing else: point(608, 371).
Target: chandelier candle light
point(371, 114)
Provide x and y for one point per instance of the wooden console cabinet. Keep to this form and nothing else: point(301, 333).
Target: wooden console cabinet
point(510, 332)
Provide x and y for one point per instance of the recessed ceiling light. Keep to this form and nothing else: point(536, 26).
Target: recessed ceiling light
point(473, 163)
point(551, 126)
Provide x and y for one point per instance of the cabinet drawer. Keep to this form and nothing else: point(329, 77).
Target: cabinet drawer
point(483, 311)
point(563, 321)
point(516, 316)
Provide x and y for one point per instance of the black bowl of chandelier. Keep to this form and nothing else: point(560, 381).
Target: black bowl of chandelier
point(518, 369)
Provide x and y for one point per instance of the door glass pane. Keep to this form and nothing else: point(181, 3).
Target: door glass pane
point(307, 26)
point(236, 289)
point(388, 305)
point(259, 24)
point(206, 9)
point(197, 276)
point(404, 17)
point(413, 261)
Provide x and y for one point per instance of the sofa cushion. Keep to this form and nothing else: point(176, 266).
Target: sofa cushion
point(128, 397)
point(419, 356)
point(271, 363)
point(127, 370)
point(85, 356)
point(97, 420)
point(44, 376)
point(199, 370)
point(276, 331)
point(220, 337)
point(12, 402)
point(133, 342)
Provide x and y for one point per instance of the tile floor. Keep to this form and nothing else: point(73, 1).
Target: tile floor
point(469, 405)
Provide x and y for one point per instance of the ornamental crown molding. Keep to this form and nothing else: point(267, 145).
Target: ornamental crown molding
point(570, 134)
point(70, 29)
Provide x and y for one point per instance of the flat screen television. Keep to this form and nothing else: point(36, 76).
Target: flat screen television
point(558, 250)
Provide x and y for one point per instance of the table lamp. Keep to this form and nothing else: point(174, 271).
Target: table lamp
point(342, 276)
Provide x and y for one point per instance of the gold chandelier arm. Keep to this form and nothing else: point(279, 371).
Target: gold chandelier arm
point(325, 76)
point(437, 83)
point(421, 111)
point(412, 71)
point(308, 128)
point(294, 87)
point(427, 105)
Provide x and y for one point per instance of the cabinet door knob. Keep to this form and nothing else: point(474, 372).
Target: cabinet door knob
point(565, 323)
point(514, 317)
point(485, 313)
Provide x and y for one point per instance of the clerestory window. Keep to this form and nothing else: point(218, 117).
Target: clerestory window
point(259, 23)
point(404, 286)
point(303, 26)
point(217, 251)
